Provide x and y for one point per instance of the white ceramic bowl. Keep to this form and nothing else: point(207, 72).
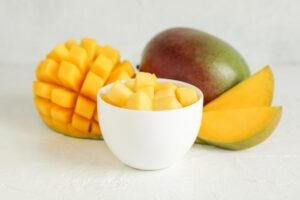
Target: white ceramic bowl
point(149, 140)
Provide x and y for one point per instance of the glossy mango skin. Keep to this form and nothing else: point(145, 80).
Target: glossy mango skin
point(195, 57)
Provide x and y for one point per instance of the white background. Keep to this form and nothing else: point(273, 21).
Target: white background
point(36, 163)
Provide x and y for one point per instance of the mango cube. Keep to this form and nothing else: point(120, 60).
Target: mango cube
point(90, 45)
point(170, 92)
point(70, 43)
point(85, 107)
point(44, 106)
point(61, 114)
point(147, 90)
point(139, 101)
point(144, 79)
point(102, 66)
point(186, 96)
point(80, 123)
point(59, 53)
point(118, 94)
point(91, 85)
point(118, 76)
point(166, 103)
point(69, 75)
point(43, 89)
point(109, 52)
point(79, 57)
point(63, 97)
point(130, 84)
point(163, 86)
point(47, 71)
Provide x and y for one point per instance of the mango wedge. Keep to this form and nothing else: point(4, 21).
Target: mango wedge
point(239, 128)
point(255, 91)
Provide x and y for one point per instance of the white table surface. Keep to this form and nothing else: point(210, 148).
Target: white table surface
point(37, 163)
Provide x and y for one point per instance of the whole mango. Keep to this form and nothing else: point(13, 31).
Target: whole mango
point(195, 57)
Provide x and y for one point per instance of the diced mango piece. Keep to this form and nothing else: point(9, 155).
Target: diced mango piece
point(166, 103)
point(109, 52)
point(147, 90)
point(80, 123)
point(130, 84)
point(91, 85)
point(186, 96)
point(95, 129)
point(63, 97)
point(59, 53)
point(118, 76)
point(47, 71)
point(47, 120)
point(44, 106)
point(76, 133)
point(85, 107)
point(102, 66)
point(59, 126)
point(126, 66)
point(106, 99)
point(139, 101)
point(118, 94)
point(144, 79)
point(162, 86)
point(61, 114)
point(122, 71)
point(170, 92)
point(70, 43)
point(43, 89)
point(70, 76)
point(90, 46)
point(79, 57)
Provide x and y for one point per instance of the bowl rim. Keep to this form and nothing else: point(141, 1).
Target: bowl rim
point(162, 80)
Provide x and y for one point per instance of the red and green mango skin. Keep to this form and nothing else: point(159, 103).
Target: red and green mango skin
point(195, 57)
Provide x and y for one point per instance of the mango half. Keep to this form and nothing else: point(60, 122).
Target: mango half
point(67, 81)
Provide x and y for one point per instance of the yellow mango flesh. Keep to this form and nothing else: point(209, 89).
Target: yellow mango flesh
point(159, 96)
point(68, 80)
point(139, 101)
point(186, 96)
point(255, 91)
point(118, 94)
point(144, 79)
point(166, 103)
point(239, 128)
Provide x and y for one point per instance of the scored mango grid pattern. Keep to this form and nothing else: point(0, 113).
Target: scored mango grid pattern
point(67, 83)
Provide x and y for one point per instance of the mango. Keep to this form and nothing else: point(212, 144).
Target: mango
point(118, 94)
point(68, 80)
point(139, 101)
point(237, 129)
point(186, 96)
point(195, 57)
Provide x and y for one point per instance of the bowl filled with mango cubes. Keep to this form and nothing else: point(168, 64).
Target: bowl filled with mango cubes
point(147, 122)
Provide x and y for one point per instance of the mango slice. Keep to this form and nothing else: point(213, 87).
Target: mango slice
point(237, 129)
point(255, 91)
point(68, 81)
